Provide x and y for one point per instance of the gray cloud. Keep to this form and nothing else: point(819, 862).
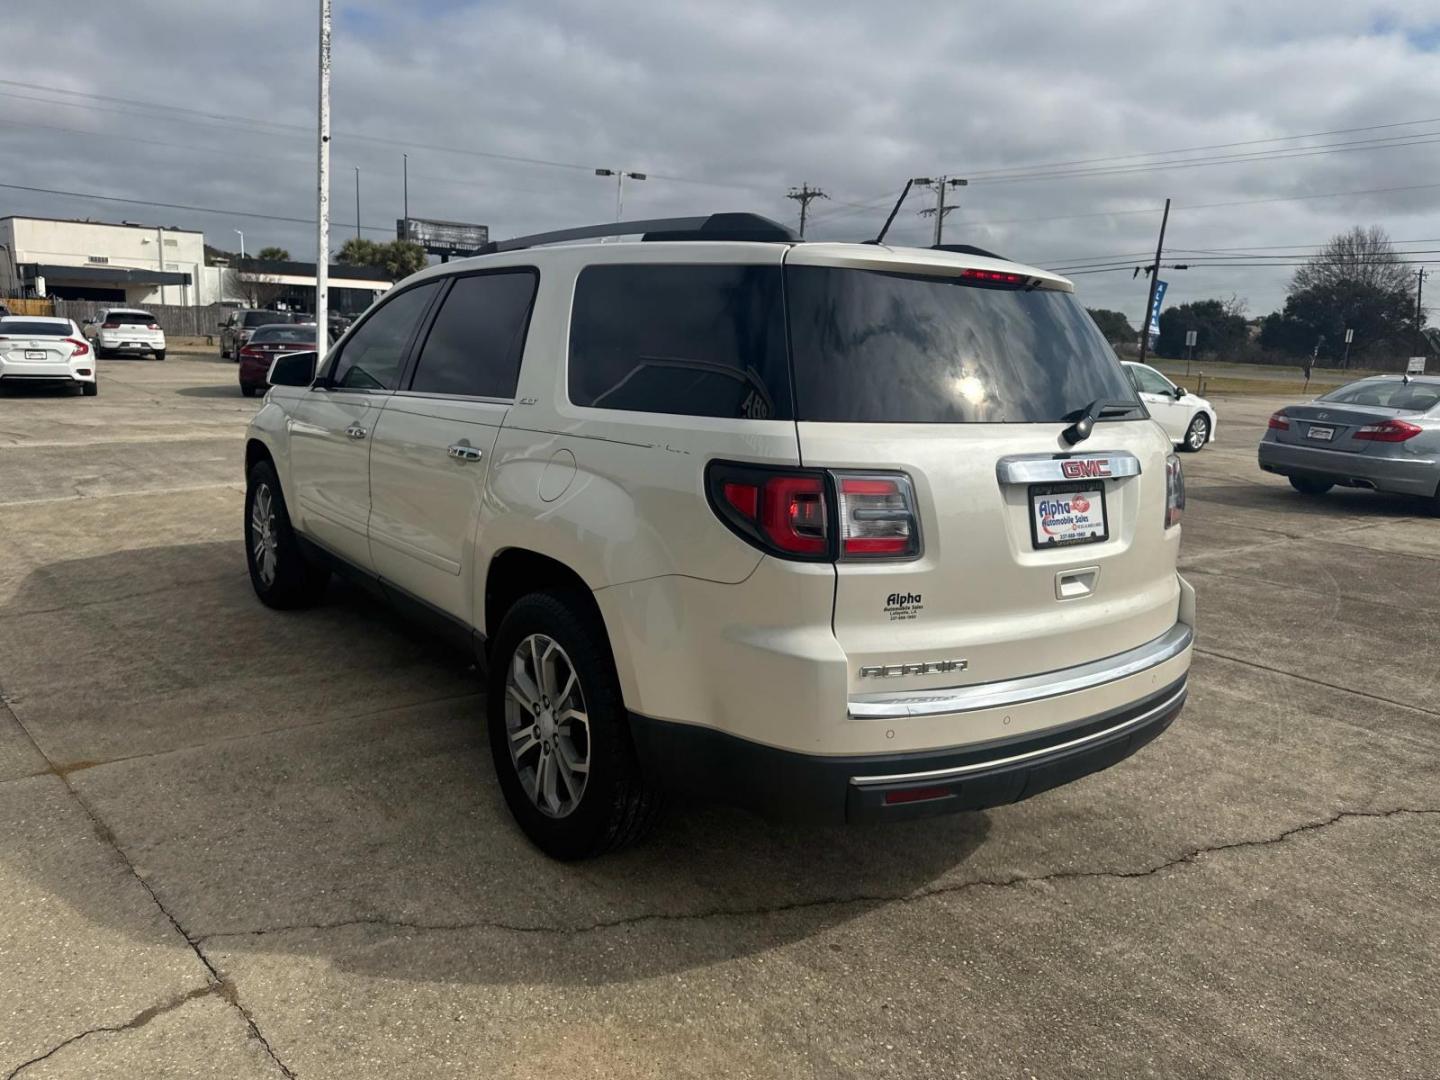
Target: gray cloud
point(727, 104)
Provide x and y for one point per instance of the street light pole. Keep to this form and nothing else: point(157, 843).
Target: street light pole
point(357, 202)
point(405, 168)
point(620, 177)
point(322, 190)
point(241, 233)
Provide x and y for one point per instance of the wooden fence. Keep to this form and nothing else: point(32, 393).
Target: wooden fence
point(174, 319)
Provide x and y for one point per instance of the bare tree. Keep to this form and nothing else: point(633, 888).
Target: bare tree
point(1363, 257)
point(1237, 305)
point(257, 290)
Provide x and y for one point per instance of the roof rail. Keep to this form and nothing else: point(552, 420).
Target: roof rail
point(751, 227)
point(969, 249)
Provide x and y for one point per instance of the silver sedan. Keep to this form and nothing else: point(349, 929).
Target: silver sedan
point(1381, 433)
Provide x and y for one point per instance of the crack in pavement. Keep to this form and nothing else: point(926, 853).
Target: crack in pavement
point(1316, 682)
point(137, 1021)
point(225, 988)
point(1188, 858)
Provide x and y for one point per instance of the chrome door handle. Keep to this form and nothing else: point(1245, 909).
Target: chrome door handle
point(465, 452)
point(355, 431)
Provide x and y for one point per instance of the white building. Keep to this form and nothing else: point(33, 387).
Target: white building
point(91, 260)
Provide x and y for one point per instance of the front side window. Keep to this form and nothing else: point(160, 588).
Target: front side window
point(874, 346)
point(474, 345)
point(694, 340)
point(375, 352)
point(1150, 381)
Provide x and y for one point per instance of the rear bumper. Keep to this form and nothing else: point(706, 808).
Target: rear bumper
point(255, 372)
point(789, 786)
point(1402, 475)
point(47, 373)
point(132, 345)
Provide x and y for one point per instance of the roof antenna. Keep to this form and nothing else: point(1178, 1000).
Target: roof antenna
point(886, 227)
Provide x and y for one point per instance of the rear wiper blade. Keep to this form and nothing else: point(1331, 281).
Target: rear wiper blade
point(1080, 430)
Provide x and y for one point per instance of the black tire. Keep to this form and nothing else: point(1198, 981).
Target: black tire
point(160, 354)
point(1196, 435)
point(1309, 485)
point(223, 354)
point(248, 390)
point(102, 354)
point(90, 389)
point(294, 581)
point(616, 805)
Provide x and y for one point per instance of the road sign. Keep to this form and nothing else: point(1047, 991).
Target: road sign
point(1190, 339)
point(1349, 336)
point(1160, 287)
point(443, 237)
point(1415, 366)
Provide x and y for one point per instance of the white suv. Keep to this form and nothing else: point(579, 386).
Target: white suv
point(127, 330)
point(833, 531)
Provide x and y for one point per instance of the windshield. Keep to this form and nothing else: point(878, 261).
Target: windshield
point(1388, 394)
point(871, 347)
point(297, 333)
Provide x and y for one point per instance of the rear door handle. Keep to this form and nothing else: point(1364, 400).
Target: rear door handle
point(465, 452)
point(355, 431)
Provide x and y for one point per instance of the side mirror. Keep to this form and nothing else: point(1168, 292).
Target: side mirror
point(293, 369)
point(87, 322)
point(1180, 392)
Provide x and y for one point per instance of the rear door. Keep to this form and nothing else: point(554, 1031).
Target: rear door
point(331, 425)
point(1035, 555)
point(432, 444)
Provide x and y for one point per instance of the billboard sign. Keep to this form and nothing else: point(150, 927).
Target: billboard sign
point(443, 237)
point(1160, 287)
point(1415, 366)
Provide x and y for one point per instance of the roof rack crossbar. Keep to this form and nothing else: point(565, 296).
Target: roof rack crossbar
point(751, 227)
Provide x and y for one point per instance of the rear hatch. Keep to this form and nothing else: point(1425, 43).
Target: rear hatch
point(127, 327)
point(1036, 555)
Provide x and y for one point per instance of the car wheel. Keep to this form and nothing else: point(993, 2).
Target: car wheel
point(248, 390)
point(1308, 485)
point(160, 354)
point(1197, 434)
point(101, 354)
point(90, 389)
point(559, 732)
point(281, 575)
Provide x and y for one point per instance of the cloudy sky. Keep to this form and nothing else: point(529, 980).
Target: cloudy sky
point(1271, 125)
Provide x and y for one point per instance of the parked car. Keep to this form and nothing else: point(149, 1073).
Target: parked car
point(1188, 419)
point(127, 331)
point(35, 349)
point(235, 331)
point(1380, 433)
point(838, 532)
point(265, 344)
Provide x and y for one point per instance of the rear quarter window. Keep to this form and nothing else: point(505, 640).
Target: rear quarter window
point(692, 340)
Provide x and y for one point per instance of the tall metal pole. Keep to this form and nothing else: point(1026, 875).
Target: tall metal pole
point(322, 190)
point(160, 253)
point(1154, 277)
point(939, 209)
point(405, 167)
point(619, 192)
point(357, 202)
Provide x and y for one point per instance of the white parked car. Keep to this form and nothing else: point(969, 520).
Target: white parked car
point(1188, 419)
point(35, 349)
point(833, 531)
point(121, 331)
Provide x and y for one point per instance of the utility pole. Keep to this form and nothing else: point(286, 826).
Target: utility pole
point(357, 202)
point(160, 252)
point(405, 168)
point(804, 195)
point(940, 183)
point(322, 190)
point(1420, 276)
point(1154, 277)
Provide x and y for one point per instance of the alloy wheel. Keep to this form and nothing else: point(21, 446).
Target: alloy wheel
point(1199, 431)
point(263, 540)
point(546, 725)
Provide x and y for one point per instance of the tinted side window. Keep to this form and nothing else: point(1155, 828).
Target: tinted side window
point(1150, 381)
point(373, 356)
point(703, 340)
point(474, 345)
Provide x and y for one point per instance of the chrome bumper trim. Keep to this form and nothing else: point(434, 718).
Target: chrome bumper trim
point(958, 771)
point(996, 695)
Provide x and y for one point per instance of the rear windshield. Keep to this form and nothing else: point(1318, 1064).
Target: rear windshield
point(265, 318)
point(1389, 394)
point(871, 347)
point(303, 334)
point(33, 328)
point(130, 318)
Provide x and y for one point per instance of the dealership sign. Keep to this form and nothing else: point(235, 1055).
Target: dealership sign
point(443, 237)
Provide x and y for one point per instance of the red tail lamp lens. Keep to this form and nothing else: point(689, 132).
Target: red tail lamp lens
point(1388, 431)
point(1278, 422)
point(792, 513)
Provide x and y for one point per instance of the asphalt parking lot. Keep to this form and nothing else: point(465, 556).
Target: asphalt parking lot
point(246, 844)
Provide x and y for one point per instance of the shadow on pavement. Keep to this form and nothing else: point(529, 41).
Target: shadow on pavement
point(316, 784)
point(224, 390)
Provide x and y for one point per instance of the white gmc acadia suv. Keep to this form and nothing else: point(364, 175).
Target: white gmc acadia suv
point(838, 532)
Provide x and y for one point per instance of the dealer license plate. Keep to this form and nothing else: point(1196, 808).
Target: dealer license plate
point(1322, 434)
point(1061, 515)
point(35, 354)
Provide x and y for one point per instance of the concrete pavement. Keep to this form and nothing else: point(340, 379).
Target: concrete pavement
point(244, 843)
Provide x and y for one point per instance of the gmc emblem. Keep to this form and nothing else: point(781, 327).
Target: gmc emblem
point(1085, 468)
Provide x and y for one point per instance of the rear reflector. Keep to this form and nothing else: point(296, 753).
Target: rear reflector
point(1389, 431)
point(1278, 422)
point(915, 794)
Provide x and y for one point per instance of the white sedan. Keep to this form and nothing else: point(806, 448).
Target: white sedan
point(1188, 420)
point(36, 349)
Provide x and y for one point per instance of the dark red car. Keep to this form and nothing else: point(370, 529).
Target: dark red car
point(266, 343)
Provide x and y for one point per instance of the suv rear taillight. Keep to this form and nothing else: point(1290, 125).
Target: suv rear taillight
point(1388, 431)
point(110, 326)
point(877, 516)
point(816, 516)
point(152, 326)
point(1174, 491)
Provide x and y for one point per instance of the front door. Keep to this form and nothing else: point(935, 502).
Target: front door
point(1159, 395)
point(332, 425)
